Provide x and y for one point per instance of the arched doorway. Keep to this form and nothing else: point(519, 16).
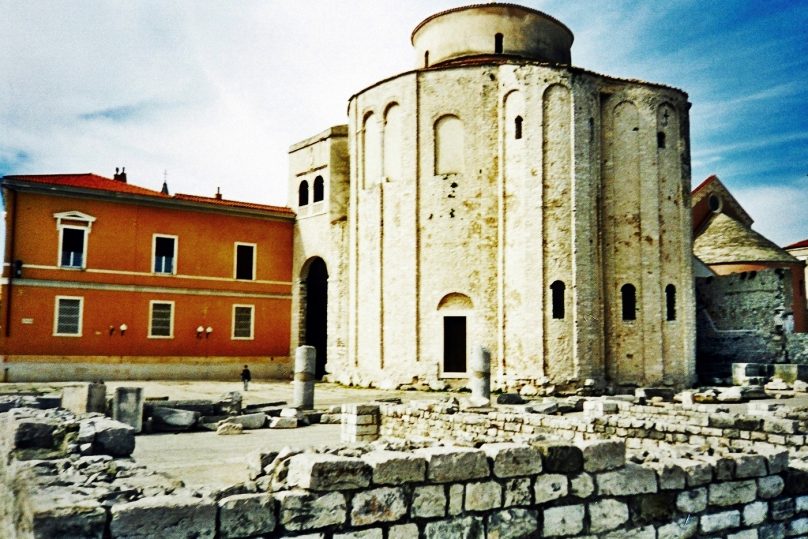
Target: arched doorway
point(315, 276)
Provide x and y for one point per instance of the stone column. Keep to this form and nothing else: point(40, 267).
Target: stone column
point(127, 406)
point(305, 362)
point(480, 377)
point(85, 398)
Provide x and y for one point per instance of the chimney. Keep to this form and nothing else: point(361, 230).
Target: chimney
point(122, 175)
point(218, 194)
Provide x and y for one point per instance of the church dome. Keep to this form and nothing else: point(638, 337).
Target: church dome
point(491, 29)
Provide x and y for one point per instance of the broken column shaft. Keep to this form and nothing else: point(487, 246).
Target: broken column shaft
point(305, 361)
point(480, 377)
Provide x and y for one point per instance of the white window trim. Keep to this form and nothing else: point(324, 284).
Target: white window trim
point(61, 228)
point(170, 323)
point(154, 253)
point(252, 324)
point(56, 316)
point(236, 245)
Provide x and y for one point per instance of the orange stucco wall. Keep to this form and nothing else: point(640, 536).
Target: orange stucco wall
point(118, 284)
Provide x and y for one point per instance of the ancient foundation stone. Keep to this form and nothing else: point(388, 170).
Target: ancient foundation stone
point(246, 515)
point(127, 407)
point(167, 517)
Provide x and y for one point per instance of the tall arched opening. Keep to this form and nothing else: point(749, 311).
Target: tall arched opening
point(315, 278)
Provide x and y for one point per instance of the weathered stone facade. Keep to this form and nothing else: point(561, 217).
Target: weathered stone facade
point(499, 197)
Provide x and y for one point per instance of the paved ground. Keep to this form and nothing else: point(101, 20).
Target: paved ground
point(206, 459)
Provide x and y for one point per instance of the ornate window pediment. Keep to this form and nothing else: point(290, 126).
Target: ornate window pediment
point(74, 218)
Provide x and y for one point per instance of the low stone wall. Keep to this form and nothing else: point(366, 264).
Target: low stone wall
point(640, 426)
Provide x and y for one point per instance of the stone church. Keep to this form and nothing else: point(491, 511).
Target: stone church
point(496, 196)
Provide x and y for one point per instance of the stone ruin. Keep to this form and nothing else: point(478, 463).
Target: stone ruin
point(639, 466)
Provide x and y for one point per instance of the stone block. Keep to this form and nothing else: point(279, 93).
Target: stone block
point(750, 466)
point(403, 531)
point(327, 472)
point(300, 510)
point(395, 468)
point(754, 513)
point(607, 514)
point(670, 476)
point(770, 486)
point(360, 409)
point(85, 398)
point(632, 479)
point(517, 491)
point(732, 492)
point(513, 523)
point(692, 501)
point(603, 455)
point(257, 460)
point(781, 509)
point(249, 421)
point(173, 420)
point(127, 406)
point(550, 487)
point(599, 408)
point(681, 528)
point(168, 517)
point(385, 504)
point(776, 530)
point(790, 372)
point(283, 423)
point(717, 522)
point(31, 432)
point(467, 527)
point(762, 408)
point(446, 464)
point(246, 515)
point(428, 501)
point(560, 457)
point(65, 517)
point(776, 459)
point(696, 473)
point(455, 499)
point(653, 507)
point(582, 485)
point(229, 429)
point(112, 437)
point(483, 495)
point(513, 460)
point(563, 520)
point(547, 408)
point(371, 533)
point(797, 527)
point(776, 425)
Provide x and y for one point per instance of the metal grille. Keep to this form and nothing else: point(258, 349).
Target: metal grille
point(69, 318)
point(242, 327)
point(161, 320)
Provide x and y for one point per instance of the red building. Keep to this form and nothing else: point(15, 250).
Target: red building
point(103, 279)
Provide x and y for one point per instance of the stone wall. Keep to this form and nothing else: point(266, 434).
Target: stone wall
point(51, 485)
point(746, 318)
point(640, 426)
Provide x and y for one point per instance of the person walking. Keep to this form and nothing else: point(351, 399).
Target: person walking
point(246, 377)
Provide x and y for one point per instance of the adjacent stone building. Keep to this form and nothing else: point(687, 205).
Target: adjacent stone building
point(497, 196)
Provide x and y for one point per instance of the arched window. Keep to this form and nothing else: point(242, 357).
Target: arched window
point(670, 302)
point(449, 145)
point(303, 193)
point(629, 297)
point(319, 189)
point(558, 299)
point(498, 43)
point(517, 127)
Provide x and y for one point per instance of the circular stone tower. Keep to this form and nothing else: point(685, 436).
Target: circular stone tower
point(501, 198)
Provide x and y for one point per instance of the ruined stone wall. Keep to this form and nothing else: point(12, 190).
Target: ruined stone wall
point(746, 318)
point(402, 490)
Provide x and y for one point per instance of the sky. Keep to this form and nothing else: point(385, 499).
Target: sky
point(212, 94)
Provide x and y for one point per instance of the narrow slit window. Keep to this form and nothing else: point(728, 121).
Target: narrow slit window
point(517, 128)
point(670, 302)
point(498, 39)
point(557, 289)
point(319, 189)
point(303, 193)
point(660, 140)
point(426, 59)
point(629, 296)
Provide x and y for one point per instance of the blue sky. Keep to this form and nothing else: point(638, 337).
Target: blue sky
point(214, 93)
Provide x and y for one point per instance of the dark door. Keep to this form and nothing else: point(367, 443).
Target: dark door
point(454, 344)
point(317, 313)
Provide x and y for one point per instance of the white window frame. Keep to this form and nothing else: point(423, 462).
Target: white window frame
point(56, 302)
point(170, 323)
point(252, 323)
point(81, 221)
point(238, 244)
point(154, 253)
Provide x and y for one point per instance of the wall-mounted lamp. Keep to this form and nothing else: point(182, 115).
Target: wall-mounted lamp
point(123, 329)
point(18, 269)
point(199, 331)
point(208, 331)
